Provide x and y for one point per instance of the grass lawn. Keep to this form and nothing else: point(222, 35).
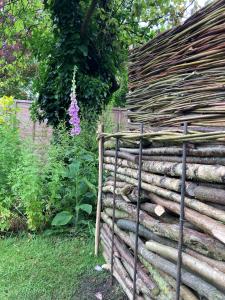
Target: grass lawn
point(49, 268)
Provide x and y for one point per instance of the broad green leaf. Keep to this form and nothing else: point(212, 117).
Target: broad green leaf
point(62, 218)
point(86, 207)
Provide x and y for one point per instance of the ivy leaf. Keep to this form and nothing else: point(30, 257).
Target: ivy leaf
point(83, 49)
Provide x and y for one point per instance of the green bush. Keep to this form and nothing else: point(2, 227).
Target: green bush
point(53, 187)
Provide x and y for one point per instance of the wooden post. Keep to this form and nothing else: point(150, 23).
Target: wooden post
point(100, 183)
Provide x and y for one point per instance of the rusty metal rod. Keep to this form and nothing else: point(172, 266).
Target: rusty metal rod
point(114, 204)
point(138, 213)
point(182, 216)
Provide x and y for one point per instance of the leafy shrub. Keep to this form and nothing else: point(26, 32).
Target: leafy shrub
point(56, 186)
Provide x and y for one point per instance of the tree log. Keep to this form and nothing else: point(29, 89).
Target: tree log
point(119, 267)
point(189, 159)
point(125, 255)
point(192, 203)
point(212, 275)
point(185, 292)
point(199, 191)
point(198, 172)
point(128, 225)
point(193, 239)
point(207, 224)
point(121, 280)
point(189, 279)
point(119, 214)
point(203, 288)
point(202, 151)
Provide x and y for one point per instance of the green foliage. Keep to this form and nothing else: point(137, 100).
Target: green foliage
point(95, 36)
point(26, 39)
point(44, 268)
point(55, 186)
point(62, 218)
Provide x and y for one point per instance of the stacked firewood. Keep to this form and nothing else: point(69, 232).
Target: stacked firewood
point(179, 75)
point(203, 258)
point(176, 78)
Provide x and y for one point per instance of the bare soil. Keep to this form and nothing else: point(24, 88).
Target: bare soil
point(99, 284)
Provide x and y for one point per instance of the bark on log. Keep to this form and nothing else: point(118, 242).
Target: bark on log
point(121, 280)
point(120, 268)
point(198, 172)
point(128, 225)
point(119, 214)
point(148, 235)
point(204, 270)
point(212, 262)
point(185, 292)
point(201, 151)
point(125, 155)
point(125, 255)
point(207, 224)
point(193, 239)
point(199, 191)
point(189, 279)
point(192, 203)
point(156, 210)
point(189, 159)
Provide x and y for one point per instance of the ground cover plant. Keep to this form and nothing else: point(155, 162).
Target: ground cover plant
point(38, 267)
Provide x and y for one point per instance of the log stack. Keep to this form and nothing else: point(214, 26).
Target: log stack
point(177, 77)
point(203, 268)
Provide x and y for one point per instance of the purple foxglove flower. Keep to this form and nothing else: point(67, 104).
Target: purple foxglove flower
point(74, 109)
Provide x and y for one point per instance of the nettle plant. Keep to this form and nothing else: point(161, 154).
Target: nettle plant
point(9, 154)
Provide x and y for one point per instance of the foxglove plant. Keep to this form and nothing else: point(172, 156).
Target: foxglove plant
point(74, 108)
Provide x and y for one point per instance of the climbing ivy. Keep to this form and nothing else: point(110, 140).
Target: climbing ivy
point(95, 36)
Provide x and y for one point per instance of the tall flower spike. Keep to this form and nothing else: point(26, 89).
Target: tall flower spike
point(74, 108)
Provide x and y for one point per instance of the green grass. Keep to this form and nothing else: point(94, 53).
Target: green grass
point(44, 267)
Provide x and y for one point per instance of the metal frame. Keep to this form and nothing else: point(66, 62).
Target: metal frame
point(114, 204)
point(181, 219)
point(182, 215)
point(138, 212)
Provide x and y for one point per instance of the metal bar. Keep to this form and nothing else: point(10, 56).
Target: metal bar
point(182, 215)
point(100, 184)
point(138, 213)
point(114, 204)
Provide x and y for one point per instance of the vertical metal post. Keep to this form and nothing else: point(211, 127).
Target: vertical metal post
point(138, 213)
point(181, 223)
point(100, 184)
point(114, 203)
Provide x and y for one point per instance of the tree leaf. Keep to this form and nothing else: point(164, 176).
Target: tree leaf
point(62, 218)
point(86, 207)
